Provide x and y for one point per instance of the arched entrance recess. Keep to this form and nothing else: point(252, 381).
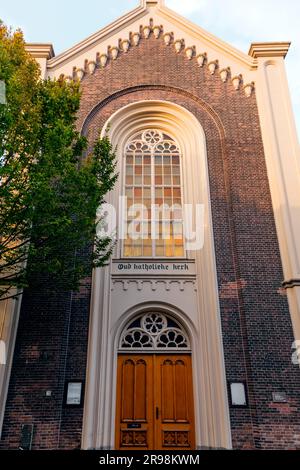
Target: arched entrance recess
point(155, 407)
point(115, 300)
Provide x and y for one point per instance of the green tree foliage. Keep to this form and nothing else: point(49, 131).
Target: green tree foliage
point(49, 192)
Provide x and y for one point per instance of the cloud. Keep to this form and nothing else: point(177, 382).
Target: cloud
point(240, 23)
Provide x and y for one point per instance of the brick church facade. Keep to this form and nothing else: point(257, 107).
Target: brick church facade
point(224, 318)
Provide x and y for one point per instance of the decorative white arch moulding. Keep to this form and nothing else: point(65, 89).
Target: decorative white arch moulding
point(109, 317)
point(102, 58)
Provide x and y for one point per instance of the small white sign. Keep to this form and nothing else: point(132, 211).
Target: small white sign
point(74, 393)
point(238, 394)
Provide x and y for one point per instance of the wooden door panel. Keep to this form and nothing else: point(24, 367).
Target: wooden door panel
point(140, 395)
point(174, 400)
point(134, 417)
point(155, 408)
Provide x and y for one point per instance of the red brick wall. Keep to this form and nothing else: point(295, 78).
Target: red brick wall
point(256, 325)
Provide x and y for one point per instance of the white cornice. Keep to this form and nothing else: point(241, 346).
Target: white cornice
point(142, 10)
point(40, 51)
point(269, 49)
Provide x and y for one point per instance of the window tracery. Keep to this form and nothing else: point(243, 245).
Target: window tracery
point(154, 331)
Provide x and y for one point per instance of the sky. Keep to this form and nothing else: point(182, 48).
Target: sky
point(66, 22)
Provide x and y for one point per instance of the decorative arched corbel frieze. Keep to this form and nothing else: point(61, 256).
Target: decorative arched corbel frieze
point(146, 31)
point(136, 38)
point(125, 45)
point(212, 66)
point(178, 45)
point(201, 59)
point(224, 73)
point(168, 38)
point(249, 88)
point(103, 59)
point(237, 80)
point(114, 52)
point(156, 31)
point(189, 52)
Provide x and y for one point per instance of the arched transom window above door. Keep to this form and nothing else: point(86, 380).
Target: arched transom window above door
point(154, 226)
point(154, 331)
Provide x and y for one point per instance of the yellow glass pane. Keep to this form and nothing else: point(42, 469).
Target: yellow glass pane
point(147, 252)
point(169, 251)
point(127, 252)
point(179, 252)
point(159, 251)
point(166, 232)
point(137, 251)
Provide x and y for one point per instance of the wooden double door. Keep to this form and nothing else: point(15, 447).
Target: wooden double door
point(155, 407)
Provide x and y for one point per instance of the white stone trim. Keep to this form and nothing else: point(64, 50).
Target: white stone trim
point(212, 413)
point(152, 17)
point(101, 59)
point(9, 319)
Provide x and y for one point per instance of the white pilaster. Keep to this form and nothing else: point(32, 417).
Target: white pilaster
point(42, 53)
point(283, 162)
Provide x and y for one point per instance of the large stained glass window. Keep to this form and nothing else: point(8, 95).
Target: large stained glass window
point(154, 197)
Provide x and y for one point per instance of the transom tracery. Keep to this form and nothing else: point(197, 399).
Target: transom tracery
point(154, 331)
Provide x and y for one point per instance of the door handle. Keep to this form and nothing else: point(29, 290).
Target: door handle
point(157, 412)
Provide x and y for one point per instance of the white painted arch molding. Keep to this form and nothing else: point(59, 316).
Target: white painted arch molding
point(200, 309)
point(180, 46)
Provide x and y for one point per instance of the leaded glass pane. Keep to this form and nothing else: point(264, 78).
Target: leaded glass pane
point(153, 180)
